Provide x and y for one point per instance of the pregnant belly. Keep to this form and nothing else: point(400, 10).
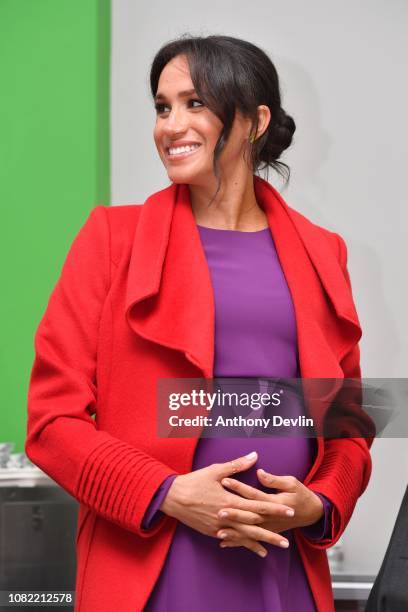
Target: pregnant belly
point(281, 456)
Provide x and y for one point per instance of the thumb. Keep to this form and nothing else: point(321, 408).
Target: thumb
point(283, 483)
point(236, 465)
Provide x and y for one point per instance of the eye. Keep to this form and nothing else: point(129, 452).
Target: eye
point(196, 100)
point(160, 107)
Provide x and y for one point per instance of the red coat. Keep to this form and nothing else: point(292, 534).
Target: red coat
point(134, 303)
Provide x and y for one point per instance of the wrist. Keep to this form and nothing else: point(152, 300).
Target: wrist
point(319, 508)
point(173, 499)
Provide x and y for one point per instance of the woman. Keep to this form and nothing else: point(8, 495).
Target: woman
point(214, 276)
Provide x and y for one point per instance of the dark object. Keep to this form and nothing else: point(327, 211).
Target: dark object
point(390, 590)
point(37, 539)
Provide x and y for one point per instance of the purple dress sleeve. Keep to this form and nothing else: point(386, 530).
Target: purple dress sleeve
point(153, 514)
point(322, 528)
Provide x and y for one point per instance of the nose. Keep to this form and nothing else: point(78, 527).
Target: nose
point(175, 124)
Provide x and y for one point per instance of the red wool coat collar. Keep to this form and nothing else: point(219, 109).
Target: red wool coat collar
point(169, 297)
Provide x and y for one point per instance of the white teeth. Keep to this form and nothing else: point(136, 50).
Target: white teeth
point(176, 150)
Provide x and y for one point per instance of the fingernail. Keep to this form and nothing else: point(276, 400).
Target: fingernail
point(223, 545)
point(223, 514)
point(262, 553)
point(290, 513)
point(284, 544)
point(251, 455)
point(226, 482)
point(222, 535)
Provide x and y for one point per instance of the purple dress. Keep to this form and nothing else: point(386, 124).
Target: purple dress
point(255, 336)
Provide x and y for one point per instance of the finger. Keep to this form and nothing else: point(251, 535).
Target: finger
point(284, 483)
point(254, 533)
point(255, 547)
point(264, 507)
point(244, 489)
point(241, 516)
point(236, 465)
point(277, 526)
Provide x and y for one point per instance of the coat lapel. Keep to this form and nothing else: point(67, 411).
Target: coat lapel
point(169, 294)
point(170, 299)
point(327, 322)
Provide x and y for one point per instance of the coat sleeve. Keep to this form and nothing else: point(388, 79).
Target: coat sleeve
point(346, 468)
point(108, 475)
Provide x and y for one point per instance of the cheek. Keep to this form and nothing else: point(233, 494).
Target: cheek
point(210, 129)
point(213, 139)
point(158, 142)
point(156, 136)
point(157, 132)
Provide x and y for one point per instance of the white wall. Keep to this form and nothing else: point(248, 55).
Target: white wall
point(342, 67)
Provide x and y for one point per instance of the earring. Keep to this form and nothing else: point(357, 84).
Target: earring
point(252, 139)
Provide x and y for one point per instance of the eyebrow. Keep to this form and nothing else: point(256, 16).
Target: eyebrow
point(181, 94)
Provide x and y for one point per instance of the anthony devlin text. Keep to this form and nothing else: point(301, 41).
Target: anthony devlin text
point(240, 421)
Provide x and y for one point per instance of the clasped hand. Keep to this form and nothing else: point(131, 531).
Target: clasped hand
point(213, 503)
point(257, 517)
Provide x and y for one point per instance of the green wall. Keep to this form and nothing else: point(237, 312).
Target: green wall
point(54, 165)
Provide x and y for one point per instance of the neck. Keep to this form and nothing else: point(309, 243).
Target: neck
point(234, 208)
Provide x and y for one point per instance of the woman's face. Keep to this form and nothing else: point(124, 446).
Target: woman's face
point(183, 117)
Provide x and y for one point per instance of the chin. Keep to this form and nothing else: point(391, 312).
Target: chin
point(190, 176)
point(183, 177)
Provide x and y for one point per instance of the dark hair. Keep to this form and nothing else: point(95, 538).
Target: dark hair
point(231, 74)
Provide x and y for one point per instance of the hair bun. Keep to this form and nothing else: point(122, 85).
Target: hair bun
point(280, 134)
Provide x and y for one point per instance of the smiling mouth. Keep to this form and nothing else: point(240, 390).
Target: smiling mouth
point(176, 156)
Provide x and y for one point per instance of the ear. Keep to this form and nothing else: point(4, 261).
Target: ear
point(264, 118)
